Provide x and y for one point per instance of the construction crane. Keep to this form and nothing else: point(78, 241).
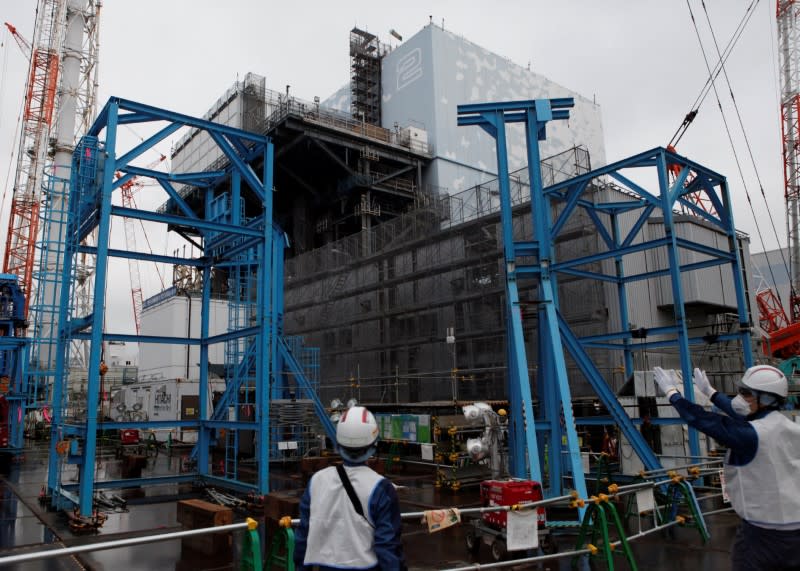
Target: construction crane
point(37, 121)
point(128, 189)
point(59, 105)
point(787, 14)
point(782, 327)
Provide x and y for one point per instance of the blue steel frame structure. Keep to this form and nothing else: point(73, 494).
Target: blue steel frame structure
point(14, 348)
point(254, 246)
point(551, 208)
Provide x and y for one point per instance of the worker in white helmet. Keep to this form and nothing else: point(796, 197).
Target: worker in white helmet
point(349, 514)
point(762, 466)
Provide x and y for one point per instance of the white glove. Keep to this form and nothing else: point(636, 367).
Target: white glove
point(666, 381)
point(701, 382)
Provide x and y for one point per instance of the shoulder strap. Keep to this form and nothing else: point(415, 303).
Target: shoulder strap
point(348, 486)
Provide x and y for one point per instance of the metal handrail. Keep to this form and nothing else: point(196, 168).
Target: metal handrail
point(51, 553)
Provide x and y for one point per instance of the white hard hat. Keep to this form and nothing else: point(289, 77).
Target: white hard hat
point(765, 379)
point(357, 428)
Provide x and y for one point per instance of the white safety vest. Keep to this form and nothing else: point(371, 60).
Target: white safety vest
point(337, 535)
point(766, 491)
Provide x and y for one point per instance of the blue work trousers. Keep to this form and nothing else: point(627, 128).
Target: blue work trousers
point(759, 549)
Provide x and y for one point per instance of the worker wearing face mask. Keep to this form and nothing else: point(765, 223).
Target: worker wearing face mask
point(762, 466)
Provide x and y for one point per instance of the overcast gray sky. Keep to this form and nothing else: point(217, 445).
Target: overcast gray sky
point(640, 60)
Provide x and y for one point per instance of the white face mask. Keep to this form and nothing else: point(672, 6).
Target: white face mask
point(740, 405)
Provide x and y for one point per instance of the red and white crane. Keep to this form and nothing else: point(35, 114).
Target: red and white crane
point(60, 103)
point(37, 121)
point(128, 190)
point(59, 106)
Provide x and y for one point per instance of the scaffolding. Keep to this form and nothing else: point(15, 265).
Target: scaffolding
point(365, 76)
point(379, 314)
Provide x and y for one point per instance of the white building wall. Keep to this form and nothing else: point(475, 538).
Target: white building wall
point(428, 76)
point(197, 151)
point(171, 318)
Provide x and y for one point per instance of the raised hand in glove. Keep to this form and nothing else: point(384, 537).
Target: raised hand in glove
point(666, 381)
point(701, 382)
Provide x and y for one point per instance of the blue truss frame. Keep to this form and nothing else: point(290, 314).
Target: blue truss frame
point(230, 240)
point(554, 334)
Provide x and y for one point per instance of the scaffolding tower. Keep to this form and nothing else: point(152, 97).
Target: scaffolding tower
point(365, 76)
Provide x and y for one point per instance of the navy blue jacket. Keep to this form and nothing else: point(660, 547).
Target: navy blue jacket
point(733, 430)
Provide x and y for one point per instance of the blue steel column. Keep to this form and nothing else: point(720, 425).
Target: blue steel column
point(524, 461)
point(203, 437)
point(267, 358)
point(677, 294)
point(204, 433)
point(523, 448)
point(56, 426)
point(738, 275)
point(278, 245)
point(548, 393)
point(622, 296)
point(236, 198)
point(86, 485)
point(536, 119)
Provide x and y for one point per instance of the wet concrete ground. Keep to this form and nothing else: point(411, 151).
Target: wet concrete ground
point(26, 526)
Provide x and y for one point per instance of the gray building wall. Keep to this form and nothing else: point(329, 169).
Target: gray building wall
point(429, 75)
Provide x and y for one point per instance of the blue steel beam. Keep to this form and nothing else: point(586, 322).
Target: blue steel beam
point(297, 372)
point(573, 196)
point(601, 228)
point(125, 337)
point(244, 169)
point(274, 265)
point(143, 256)
point(123, 162)
point(640, 247)
point(637, 227)
point(133, 482)
point(204, 433)
point(198, 178)
point(177, 199)
point(181, 221)
point(561, 404)
point(140, 113)
point(684, 268)
point(622, 294)
point(607, 397)
point(86, 469)
point(679, 310)
point(644, 159)
point(610, 421)
point(650, 345)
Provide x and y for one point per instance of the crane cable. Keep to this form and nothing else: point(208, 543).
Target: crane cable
point(695, 107)
point(752, 159)
point(728, 132)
